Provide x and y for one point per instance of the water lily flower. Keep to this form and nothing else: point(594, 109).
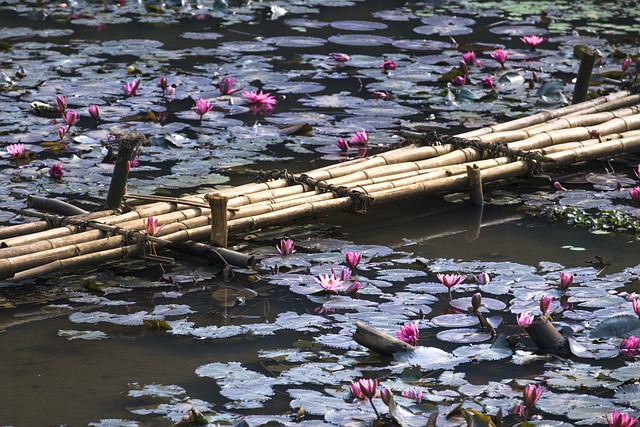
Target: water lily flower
point(285, 247)
point(226, 86)
point(388, 65)
point(488, 83)
point(368, 387)
point(545, 303)
point(469, 57)
point(524, 319)
point(636, 171)
point(151, 226)
point(414, 393)
point(635, 194)
point(459, 80)
point(345, 274)
point(94, 112)
point(532, 41)
point(360, 138)
point(56, 171)
point(385, 395)
point(330, 283)
point(482, 278)
point(476, 301)
point(595, 133)
point(636, 306)
point(558, 186)
point(202, 107)
point(163, 84)
point(408, 333)
point(15, 150)
point(379, 95)
point(260, 102)
point(619, 419)
point(355, 390)
point(353, 289)
point(500, 56)
point(131, 89)
point(70, 118)
point(450, 280)
point(626, 64)
point(352, 259)
point(566, 279)
point(61, 102)
point(62, 131)
point(340, 57)
point(342, 144)
point(531, 394)
point(629, 345)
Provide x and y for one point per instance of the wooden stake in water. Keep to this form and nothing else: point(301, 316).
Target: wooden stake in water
point(128, 143)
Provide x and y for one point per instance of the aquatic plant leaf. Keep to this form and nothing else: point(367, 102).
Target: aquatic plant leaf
point(403, 417)
point(563, 403)
point(629, 394)
point(616, 327)
point(521, 357)
point(72, 334)
point(429, 358)
point(360, 40)
point(576, 376)
point(317, 403)
point(482, 352)
point(157, 390)
point(318, 373)
point(631, 372)
point(172, 310)
point(455, 320)
point(463, 335)
point(301, 322)
point(114, 422)
point(587, 349)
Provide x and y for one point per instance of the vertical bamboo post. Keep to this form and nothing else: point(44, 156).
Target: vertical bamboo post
point(219, 229)
point(475, 185)
point(584, 76)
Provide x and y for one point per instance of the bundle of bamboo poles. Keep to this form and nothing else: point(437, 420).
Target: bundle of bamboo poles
point(550, 139)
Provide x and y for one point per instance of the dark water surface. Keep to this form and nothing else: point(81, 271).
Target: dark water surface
point(50, 380)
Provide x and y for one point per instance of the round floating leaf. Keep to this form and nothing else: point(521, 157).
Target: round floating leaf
point(464, 335)
point(360, 40)
point(488, 304)
point(616, 327)
point(72, 334)
point(455, 320)
point(429, 358)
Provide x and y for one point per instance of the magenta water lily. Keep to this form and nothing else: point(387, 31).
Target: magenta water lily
point(365, 388)
point(636, 306)
point(566, 279)
point(408, 333)
point(388, 65)
point(330, 283)
point(56, 171)
point(545, 303)
point(285, 247)
point(532, 41)
point(340, 57)
point(469, 58)
point(131, 88)
point(15, 150)
point(352, 259)
point(450, 280)
point(414, 393)
point(342, 144)
point(70, 118)
point(500, 56)
point(151, 226)
point(524, 319)
point(620, 419)
point(202, 107)
point(260, 102)
point(488, 83)
point(61, 102)
point(226, 86)
point(634, 192)
point(629, 345)
point(94, 112)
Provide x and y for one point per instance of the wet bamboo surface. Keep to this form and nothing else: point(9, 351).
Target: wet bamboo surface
point(549, 139)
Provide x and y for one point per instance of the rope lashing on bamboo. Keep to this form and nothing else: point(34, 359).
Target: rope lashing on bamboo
point(493, 149)
point(361, 200)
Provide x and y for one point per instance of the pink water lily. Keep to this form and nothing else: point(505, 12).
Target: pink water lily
point(70, 118)
point(340, 57)
point(524, 319)
point(385, 395)
point(450, 280)
point(352, 259)
point(626, 64)
point(151, 226)
point(636, 171)
point(558, 186)
point(619, 419)
point(345, 274)
point(353, 289)
point(476, 301)
point(532, 41)
point(62, 131)
point(458, 80)
point(131, 88)
point(500, 56)
point(94, 112)
point(202, 107)
point(636, 306)
point(260, 102)
point(635, 194)
point(482, 278)
point(15, 150)
point(61, 102)
point(629, 345)
point(342, 144)
point(566, 279)
point(330, 283)
point(414, 393)
point(408, 333)
point(388, 65)
point(531, 394)
point(56, 171)
point(469, 57)
point(545, 303)
point(285, 246)
point(360, 138)
point(226, 86)
point(379, 94)
point(355, 390)
point(488, 83)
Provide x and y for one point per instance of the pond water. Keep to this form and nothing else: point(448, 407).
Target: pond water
point(89, 347)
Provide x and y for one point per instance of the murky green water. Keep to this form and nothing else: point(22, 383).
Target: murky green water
point(49, 379)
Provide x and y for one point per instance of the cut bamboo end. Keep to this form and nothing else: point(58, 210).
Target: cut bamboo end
point(219, 228)
point(475, 185)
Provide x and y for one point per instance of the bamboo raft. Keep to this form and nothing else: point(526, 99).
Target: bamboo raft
point(589, 130)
